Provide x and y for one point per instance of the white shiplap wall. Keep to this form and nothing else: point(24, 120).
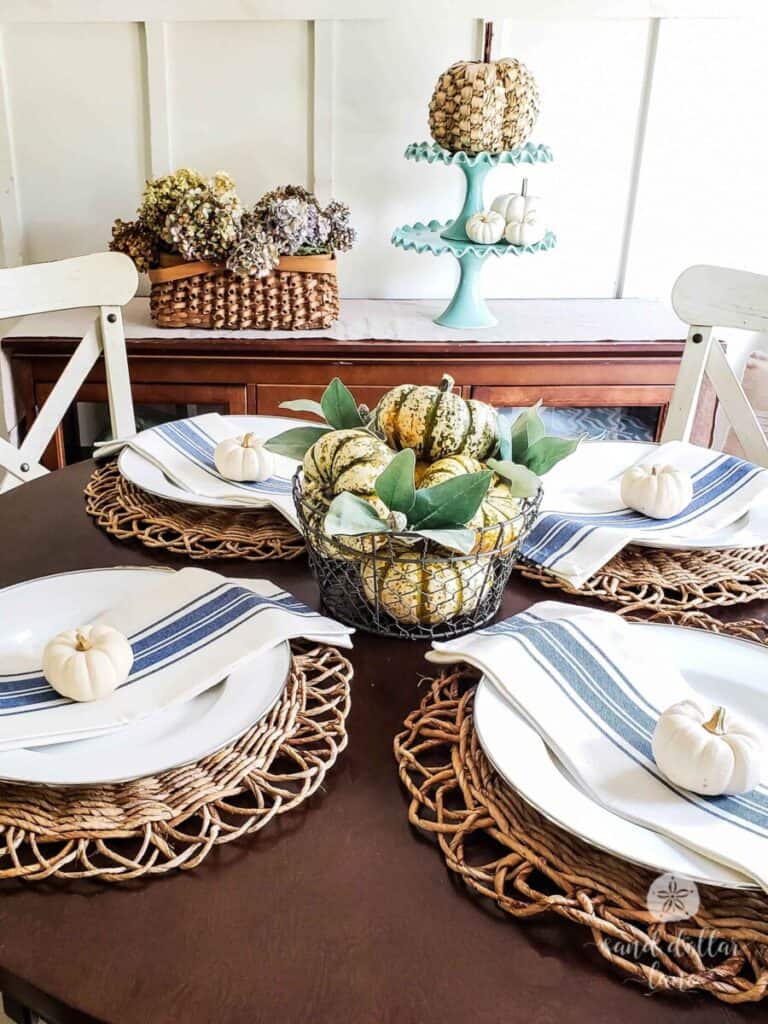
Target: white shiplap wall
point(655, 118)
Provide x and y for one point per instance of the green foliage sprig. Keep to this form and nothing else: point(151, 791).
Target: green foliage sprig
point(439, 513)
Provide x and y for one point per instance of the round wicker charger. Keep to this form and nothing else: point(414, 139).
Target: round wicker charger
point(129, 513)
point(640, 578)
point(173, 820)
point(507, 852)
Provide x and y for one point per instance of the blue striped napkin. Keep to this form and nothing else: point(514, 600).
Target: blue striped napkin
point(593, 691)
point(579, 531)
point(187, 632)
point(183, 450)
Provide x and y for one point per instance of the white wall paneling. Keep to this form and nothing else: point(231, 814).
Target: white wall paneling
point(652, 107)
point(157, 109)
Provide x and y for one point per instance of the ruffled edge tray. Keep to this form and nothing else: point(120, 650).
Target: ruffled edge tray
point(431, 152)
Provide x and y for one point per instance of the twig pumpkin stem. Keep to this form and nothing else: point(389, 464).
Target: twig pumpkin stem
point(487, 42)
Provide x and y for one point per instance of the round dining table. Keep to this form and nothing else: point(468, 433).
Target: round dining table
point(338, 913)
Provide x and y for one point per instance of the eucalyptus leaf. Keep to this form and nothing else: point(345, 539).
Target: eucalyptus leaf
point(527, 429)
point(352, 516)
point(452, 502)
point(457, 538)
point(522, 482)
point(295, 442)
point(339, 406)
point(548, 451)
point(505, 438)
point(395, 486)
point(304, 405)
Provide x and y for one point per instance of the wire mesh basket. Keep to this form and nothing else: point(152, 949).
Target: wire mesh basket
point(403, 585)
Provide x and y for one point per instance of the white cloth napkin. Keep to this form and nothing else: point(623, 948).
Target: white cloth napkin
point(578, 531)
point(183, 450)
point(594, 691)
point(188, 632)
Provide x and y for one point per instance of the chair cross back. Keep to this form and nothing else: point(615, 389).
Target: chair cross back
point(103, 280)
point(707, 297)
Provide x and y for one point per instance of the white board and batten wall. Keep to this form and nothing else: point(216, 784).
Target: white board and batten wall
point(654, 110)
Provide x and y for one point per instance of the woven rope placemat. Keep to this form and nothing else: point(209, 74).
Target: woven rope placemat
point(173, 820)
point(129, 513)
point(507, 852)
point(649, 578)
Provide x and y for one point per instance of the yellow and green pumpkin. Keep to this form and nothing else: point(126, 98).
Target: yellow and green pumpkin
point(344, 460)
point(435, 422)
point(425, 593)
point(500, 508)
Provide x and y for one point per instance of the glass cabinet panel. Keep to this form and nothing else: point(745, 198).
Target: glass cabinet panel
point(605, 423)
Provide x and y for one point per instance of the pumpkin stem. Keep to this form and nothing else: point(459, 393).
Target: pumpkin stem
point(716, 724)
point(653, 470)
point(524, 189)
point(487, 42)
point(446, 384)
point(250, 441)
point(82, 643)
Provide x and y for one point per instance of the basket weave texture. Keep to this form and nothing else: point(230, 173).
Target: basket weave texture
point(285, 300)
point(482, 107)
point(640, 578)
point(173, 820)
point(128, 513)
point(506, 852)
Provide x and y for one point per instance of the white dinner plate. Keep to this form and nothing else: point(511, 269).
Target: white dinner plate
point(596, 462)
point(34, 611)
point(722, 669)
point(145, 475)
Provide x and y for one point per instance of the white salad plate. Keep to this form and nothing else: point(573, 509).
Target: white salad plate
point(724, 670)
point(34, 611)
point(597, 462)
point(145, 475)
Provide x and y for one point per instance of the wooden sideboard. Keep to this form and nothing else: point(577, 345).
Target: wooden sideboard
point(574, 354)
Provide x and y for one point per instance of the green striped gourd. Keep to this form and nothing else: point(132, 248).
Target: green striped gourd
point(428, 593)
point(344, 460)
point(435, 422)
point(499, 508)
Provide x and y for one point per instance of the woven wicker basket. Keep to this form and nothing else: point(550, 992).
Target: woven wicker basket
point(301, 295)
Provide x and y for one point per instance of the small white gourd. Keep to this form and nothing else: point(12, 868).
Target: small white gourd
point(485, 228)
point(522, 223)
point(244, 459)
point(88, 663)
point(656, 491)
point(707, 752)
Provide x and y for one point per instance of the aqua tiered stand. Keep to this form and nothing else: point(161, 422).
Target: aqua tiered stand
point(468, 307)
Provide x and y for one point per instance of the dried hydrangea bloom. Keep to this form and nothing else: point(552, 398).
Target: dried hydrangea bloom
point(254, 254)
point(133, 238)
point(342, 235)
point(162, 195)
point(204, 224)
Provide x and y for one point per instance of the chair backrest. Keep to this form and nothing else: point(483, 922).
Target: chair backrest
point(707, 297)
point(721, 297)
point(104, 280)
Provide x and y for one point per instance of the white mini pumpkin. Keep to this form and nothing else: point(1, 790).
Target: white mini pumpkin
point(485, 228)
point(87, 663)
point(244, 458)
point(656, 491)
point(522, 222)
point(705, 752)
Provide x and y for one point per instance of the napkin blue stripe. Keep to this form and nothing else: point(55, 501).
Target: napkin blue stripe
point(175, 636)
point(594, 687)
point(195, 444)
point(557, 534)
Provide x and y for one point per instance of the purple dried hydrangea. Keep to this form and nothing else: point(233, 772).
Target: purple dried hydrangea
point(254, 254)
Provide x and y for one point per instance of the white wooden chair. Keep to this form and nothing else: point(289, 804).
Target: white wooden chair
point(105, 280)
point(705, 298)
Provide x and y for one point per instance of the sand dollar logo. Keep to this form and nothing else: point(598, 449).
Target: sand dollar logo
point(673, 898)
